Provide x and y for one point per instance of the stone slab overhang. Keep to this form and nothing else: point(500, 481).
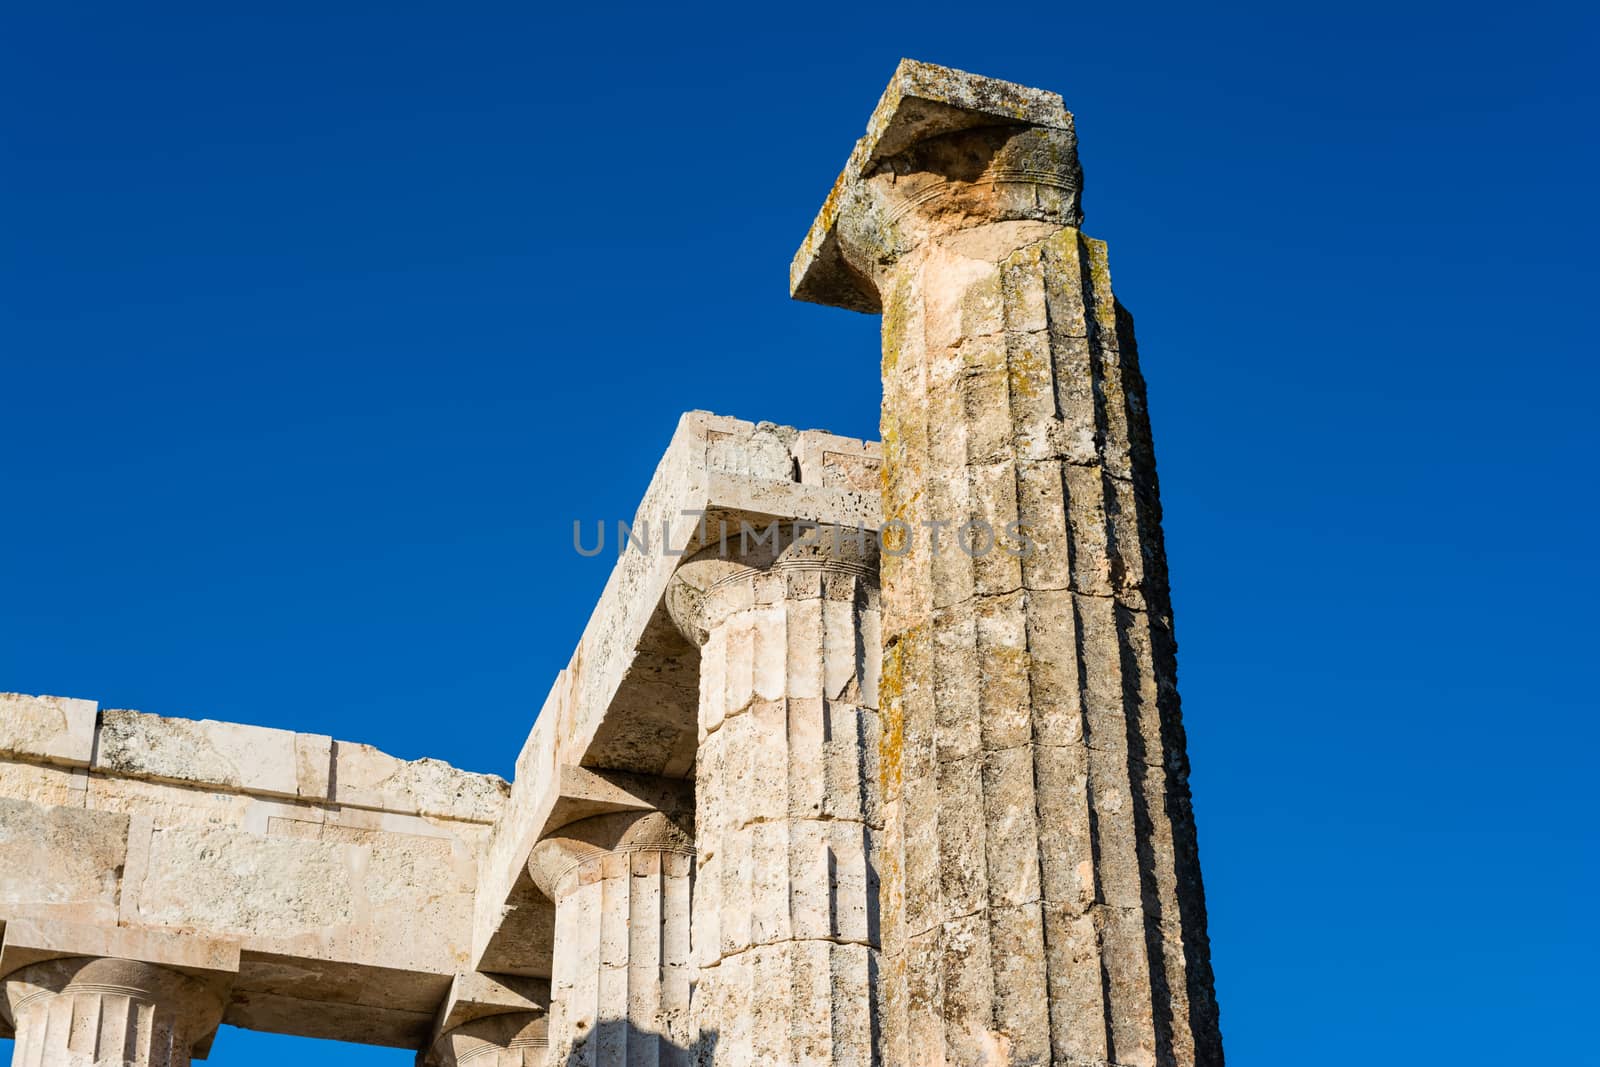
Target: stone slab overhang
point(622, 716)
point(337, 881)
point(922, 101)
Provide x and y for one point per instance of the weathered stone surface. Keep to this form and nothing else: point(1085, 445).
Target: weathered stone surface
point(336, 1000)
point(92, 993)
point(788, 799)
point(221, 831)
point(253, 758)
point(922, 103)
point(368, 778)
point(475, 995)
point(43, 784)
point(621, 984)
point(1041, 899)
point(88, 1012)
point(169, 803)
point(60, 862)
point(45, 729)
point(518, 1039)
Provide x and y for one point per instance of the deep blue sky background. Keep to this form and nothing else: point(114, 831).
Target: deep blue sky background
point(320, 324)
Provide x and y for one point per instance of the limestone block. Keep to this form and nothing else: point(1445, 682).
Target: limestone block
point(58, 862)
point(94, 1012)
point(838, 462)
point(46, 729)
point(44, 784)
point(390, 900)
point(759, 453)
point(313, 757)
point(167, 803)
point(31, 941)
point(244, 758)
point(335, 999)
point(331, 1018)
point(220, 879)
point(368, 778)
point(475, 995)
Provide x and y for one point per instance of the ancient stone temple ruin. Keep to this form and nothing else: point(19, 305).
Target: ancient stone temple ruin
point(869, 754)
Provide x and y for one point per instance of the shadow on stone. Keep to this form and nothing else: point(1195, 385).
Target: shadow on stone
point(619, 1043)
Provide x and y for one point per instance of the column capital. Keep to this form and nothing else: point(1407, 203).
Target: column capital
point(462, 1030)
point(831, 562)
point(944, 151)
point(622, 976)
point(187, 978)
point(568, 852)
point(142, 1013)
point(510, 1039)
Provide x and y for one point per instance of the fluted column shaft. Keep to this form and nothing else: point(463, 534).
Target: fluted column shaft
point(787, 813)
point(1042, 899)
point(621, 979)
point(85, 1012)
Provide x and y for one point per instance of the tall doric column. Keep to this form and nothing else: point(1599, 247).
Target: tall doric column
point(84, 1012)
point(1042, 896)
point(619, 993)
point(514, 1039)
point(786, 788)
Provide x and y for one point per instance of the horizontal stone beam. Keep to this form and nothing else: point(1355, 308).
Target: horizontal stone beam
point(343, 878)
point(235, 758)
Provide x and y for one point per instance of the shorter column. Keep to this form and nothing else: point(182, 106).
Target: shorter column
point(622, 973)
point(787, 808)
point(84, 1011)
point(516, 1039)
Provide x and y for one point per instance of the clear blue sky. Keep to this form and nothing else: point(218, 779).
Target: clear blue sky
point(318, 327)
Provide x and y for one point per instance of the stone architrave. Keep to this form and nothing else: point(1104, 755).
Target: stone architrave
point(1042, 901)
point(620, 985)
point(785, 919)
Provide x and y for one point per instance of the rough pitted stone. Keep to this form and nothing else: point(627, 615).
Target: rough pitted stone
point(786, 905)
point(56, 730)
point(134, 745)
point(85, 1012)
point(622, 974)
point(1041, 894)
point(59, 862)
point(355, 917)
point(83, 994)
point(923, 103)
